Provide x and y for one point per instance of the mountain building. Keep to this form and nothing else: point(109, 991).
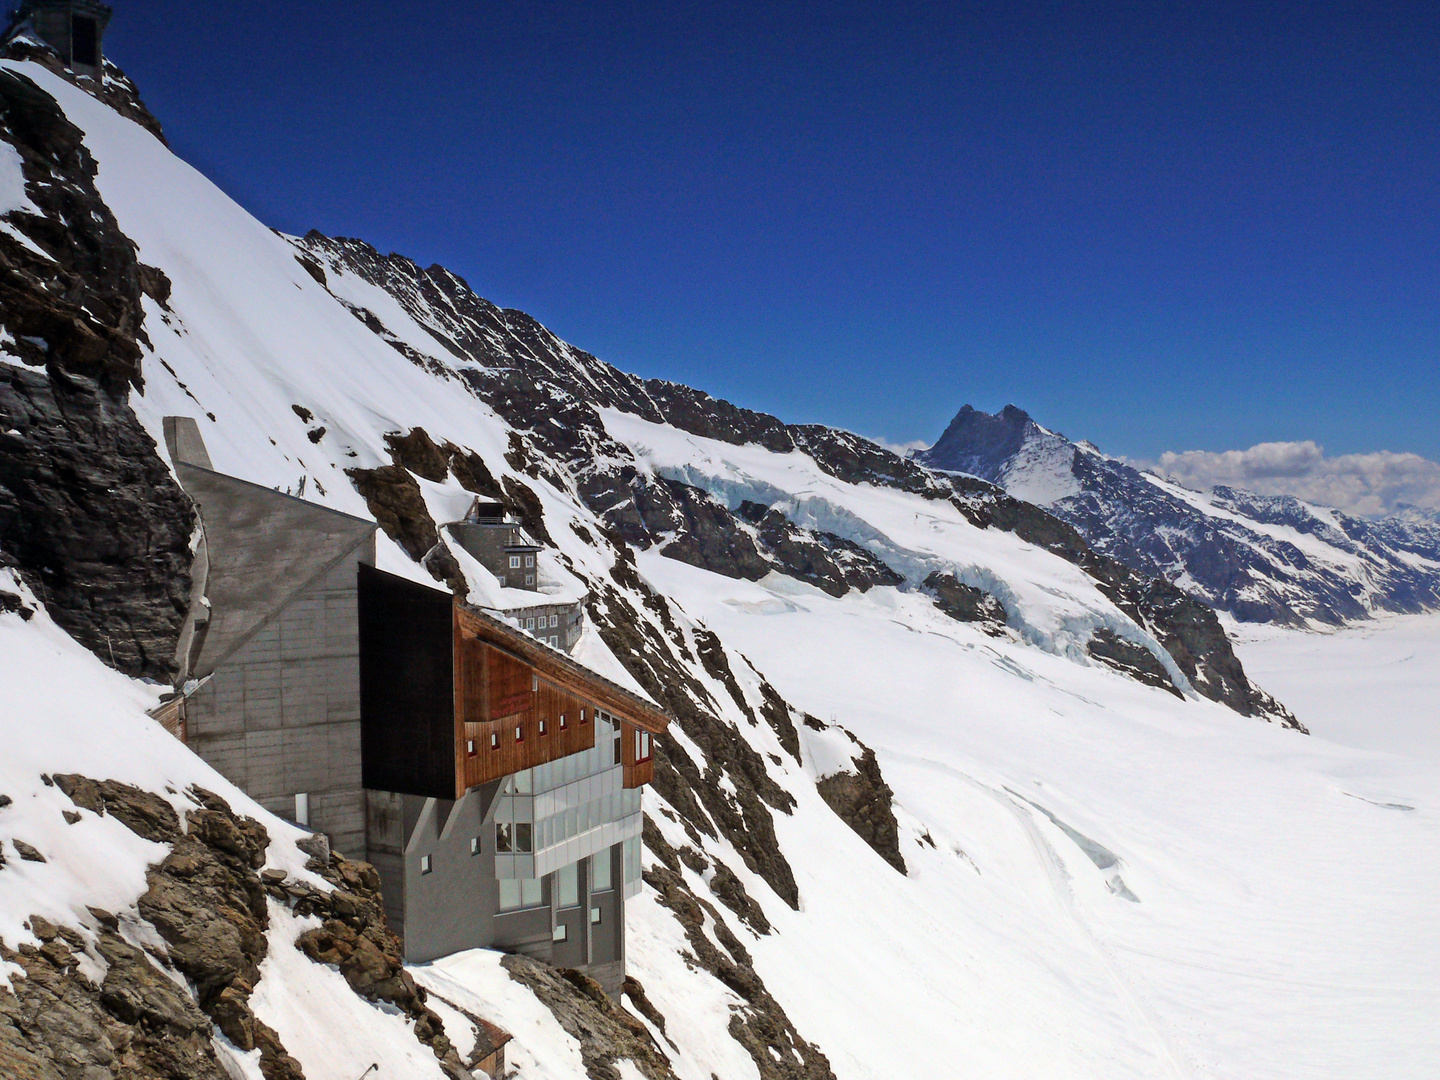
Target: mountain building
point(492, 780)
point(73, 28)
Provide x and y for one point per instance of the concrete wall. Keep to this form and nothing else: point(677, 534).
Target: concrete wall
point(456, 904)
point(281, 715)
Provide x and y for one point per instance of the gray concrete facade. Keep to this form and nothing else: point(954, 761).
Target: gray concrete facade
point(73, 28)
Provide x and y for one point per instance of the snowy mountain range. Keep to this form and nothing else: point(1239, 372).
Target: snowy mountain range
point(1261, 558)
point(949, 788)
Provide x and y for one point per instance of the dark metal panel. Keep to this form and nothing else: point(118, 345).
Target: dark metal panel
point(407, 702)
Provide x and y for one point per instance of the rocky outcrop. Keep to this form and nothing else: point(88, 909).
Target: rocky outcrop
point(1130, 658)
point(831, 563)
point(115, 90)
point(863, 801)
point(967, 603)
point(607, 1034)
point(88, 510)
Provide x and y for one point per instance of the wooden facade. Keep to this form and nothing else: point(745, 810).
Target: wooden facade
point(436, 673)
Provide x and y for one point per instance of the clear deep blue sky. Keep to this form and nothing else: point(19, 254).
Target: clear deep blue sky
point(1154, 225)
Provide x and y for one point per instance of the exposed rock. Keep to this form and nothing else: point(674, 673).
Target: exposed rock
point(417, 452)
point(760, 1025)
point(26, 852)
point(966, 603)
point(115, 90)
point(1130, 658)
point(13, 604)
point(698, 530)
point(829, 562)
point(142, 812)
point(607, 1033)
point(863, 801)
point(90, 512)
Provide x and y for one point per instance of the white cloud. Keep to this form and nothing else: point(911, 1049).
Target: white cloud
point(1369, 484)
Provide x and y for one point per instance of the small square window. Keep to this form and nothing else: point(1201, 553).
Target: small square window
point(529, 579)
point(514, 562)
point(529, 560)
point(425, 864)
point(594, 916)
point(474, 845)
point(560, 933)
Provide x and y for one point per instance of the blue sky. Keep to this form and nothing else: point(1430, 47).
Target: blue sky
point(1168, 226)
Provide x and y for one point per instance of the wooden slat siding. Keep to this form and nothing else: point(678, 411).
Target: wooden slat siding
point(489, 680)
point(171, 716)
point(559, 669)
point(637, 774)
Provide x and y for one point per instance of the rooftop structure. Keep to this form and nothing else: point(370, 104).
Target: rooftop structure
point(73, 28)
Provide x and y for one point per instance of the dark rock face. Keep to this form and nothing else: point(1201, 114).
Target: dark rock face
point(704, 532)
point(980, 444)
point(88, 510)
point(966, 603)
point(117, 90)
point(863, 801)
point(607, 1033)
point(829, 562)
point(1130, 659)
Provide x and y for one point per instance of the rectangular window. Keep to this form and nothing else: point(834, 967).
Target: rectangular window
point(560, 933)
point(594, 916)
point(554, 620)
point(529, 623)
point(529, 579)
point(519, 733)
point(600, 871)
point(618, 758)
point(642, 746)
point(530, 892)
point(302, 808)
point(582, 716)
point(514, 562)
point(494, 740)
point(542, 727)
point(509, 894)
point(470, 747)
point(529, 560)
point(474, 845)
point(504, 836)
point(84, 42)
point(562, 722)
point(567, 880)
point(523, 831)
point(425, 864)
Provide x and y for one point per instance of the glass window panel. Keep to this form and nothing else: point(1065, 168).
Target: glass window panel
point(594, 916)
point(523, 837)
point(560, 933)
point(530, 892)
point(524, 782)
point(567, 880)
point(509, 894)
point(503, 831)
point(600, 870)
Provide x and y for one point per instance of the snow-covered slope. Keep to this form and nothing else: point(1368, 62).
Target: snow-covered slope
point(1260, 558)
point(1103, 875)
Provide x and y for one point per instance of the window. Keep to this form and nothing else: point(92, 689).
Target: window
point(470, 747)
point(567, 880)
point(84, 42)
point(530, 580)
point(582, 716)
point(474, 845)
point(523, 834)
point(504, 836)
point(519, 733)
point(560, 933)
point(514, 562)
point(594, 916)
point(642, 746)
point(494, 740)
point(542, 727)
point(600, 871)
point(618, 758)
point(562, 722)
point(518, 893)
point(425, 865)
point(554, 642)
point(529, 560)
point(529, 623)
point(302, 808)
point(554, 620)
